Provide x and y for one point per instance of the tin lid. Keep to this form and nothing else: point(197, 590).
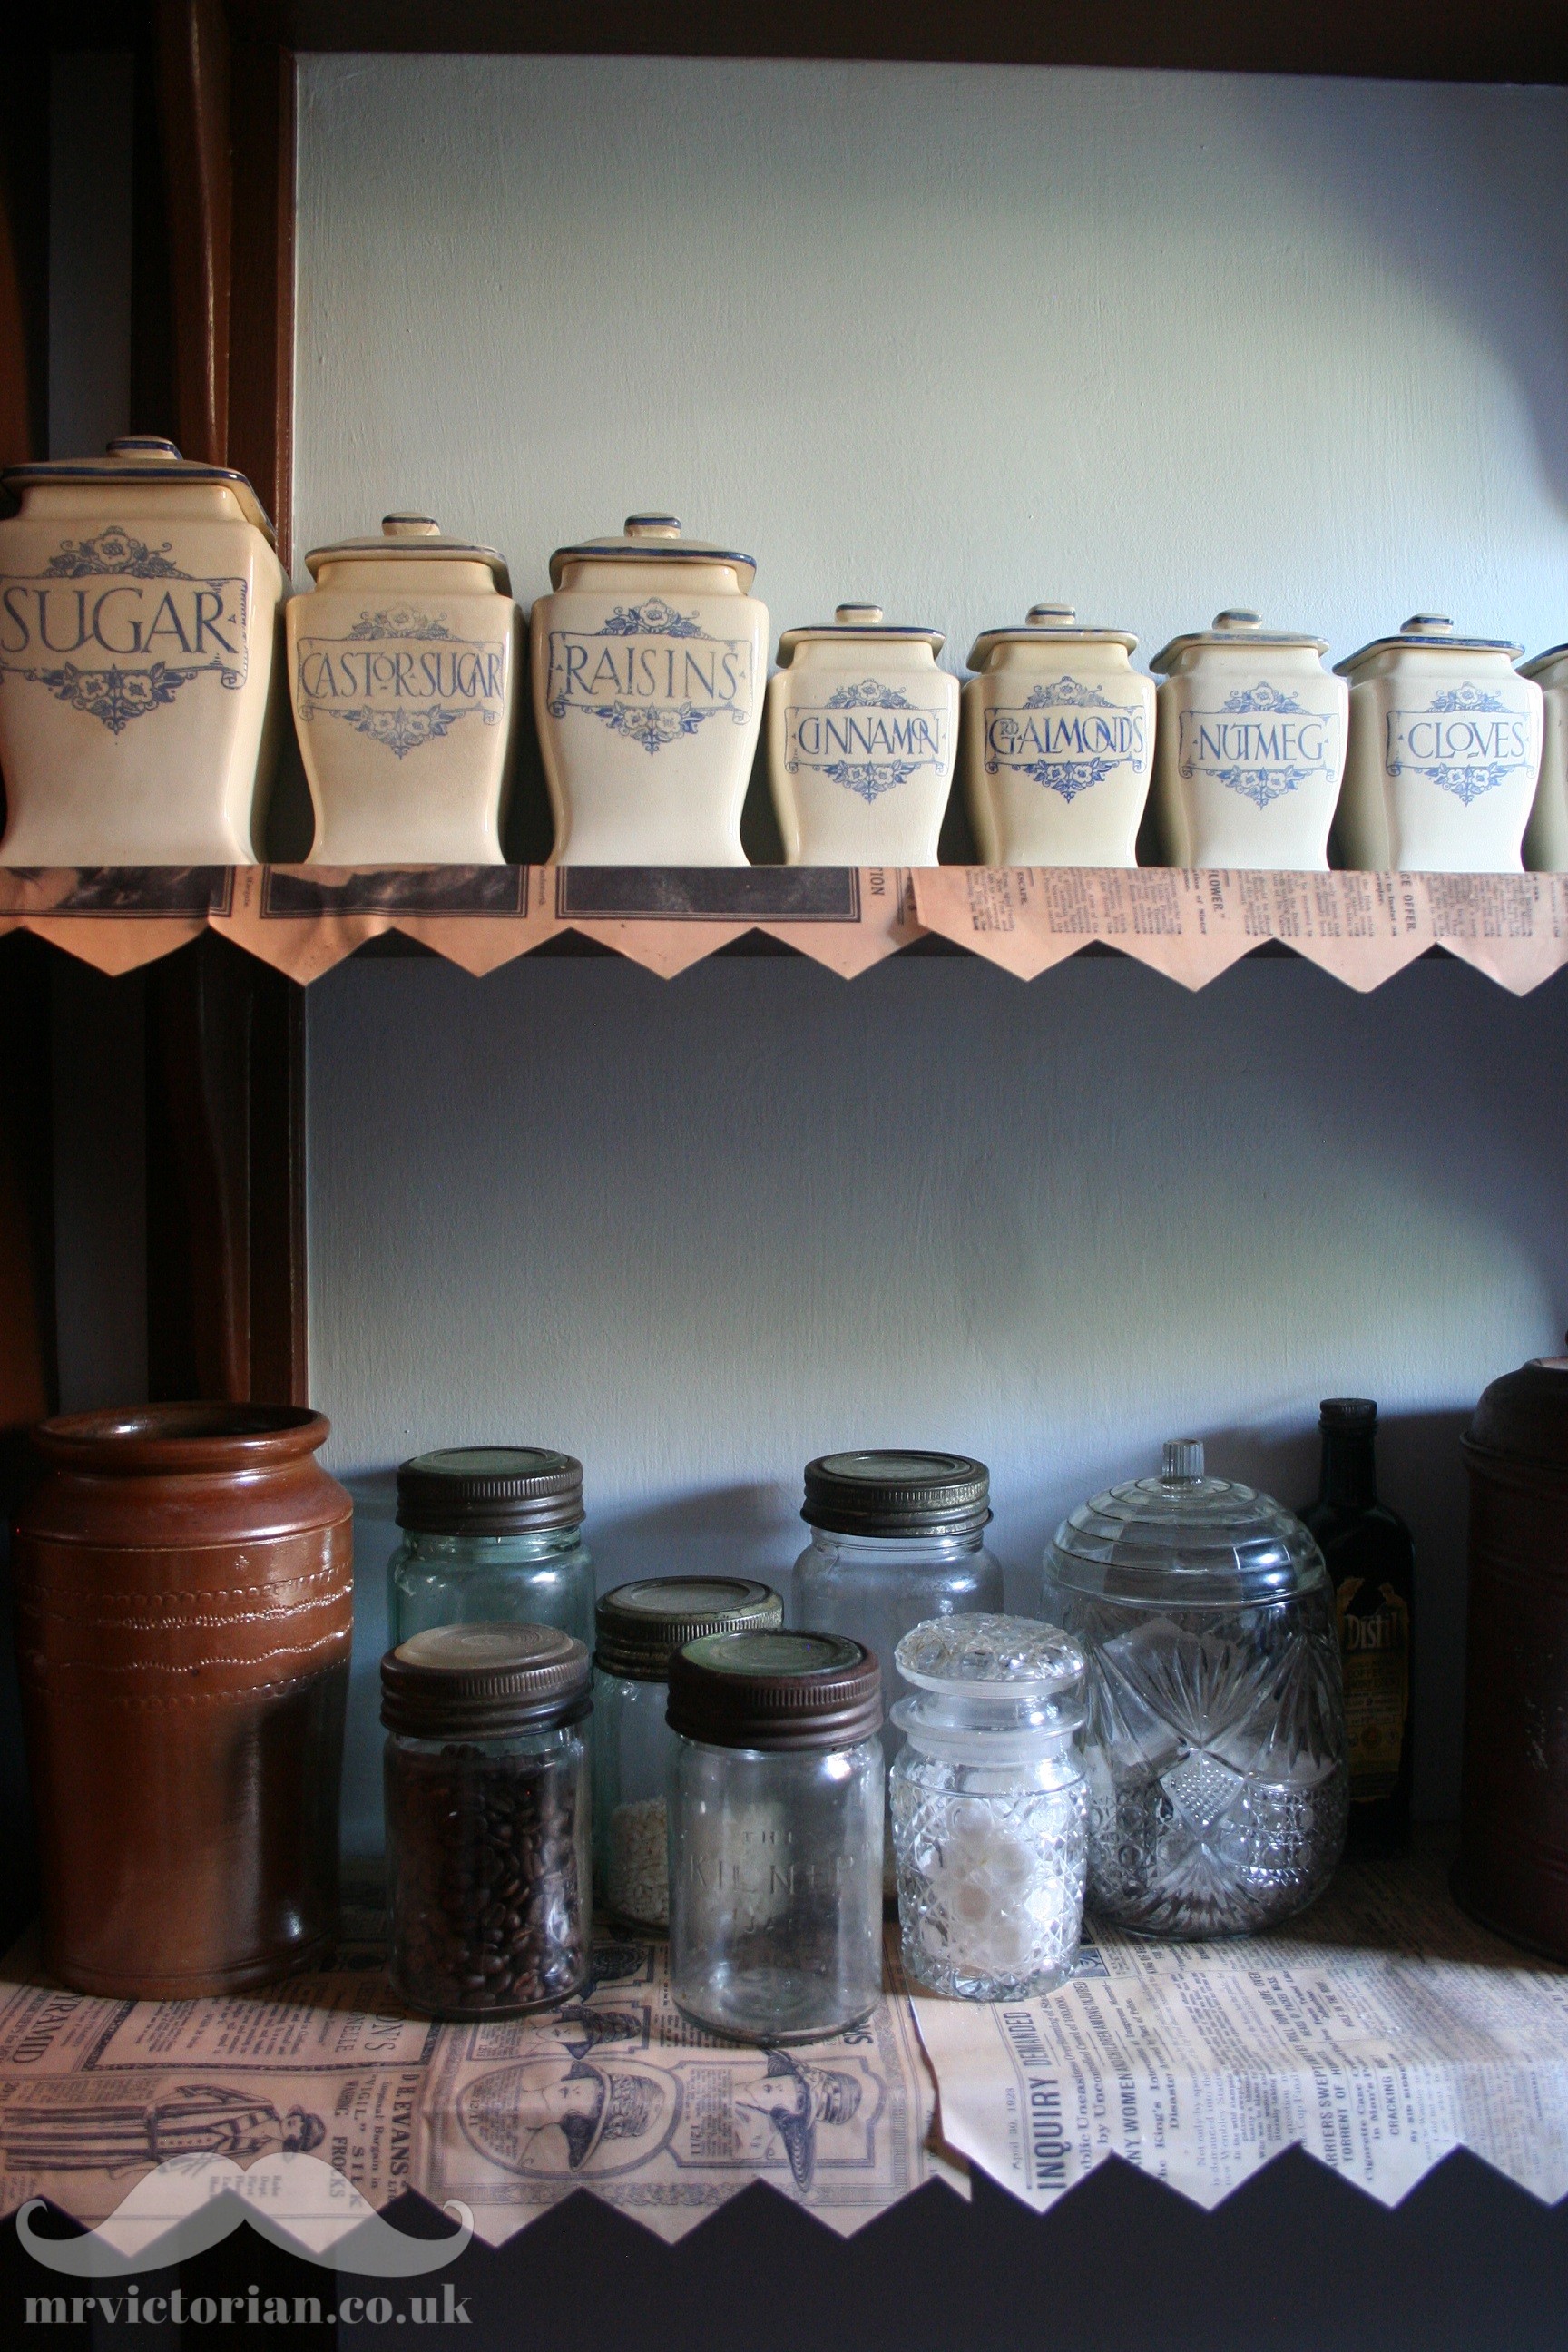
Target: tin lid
point(1525, 1416)
point(1538, 664)
point(1056, 623)
point(1234, 627)
point(141, 458)
point(653, 539)
point(858, 622)
point(641, 1626)
point(1427, 632)
point(471, 1680)
point(410, 535)
point(489, 1490)
point(892, 1493)
point(775, 1691)
point(1185, 1540)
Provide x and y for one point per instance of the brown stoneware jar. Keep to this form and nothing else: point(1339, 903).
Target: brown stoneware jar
point(184, 1596)
point(1513, 1871)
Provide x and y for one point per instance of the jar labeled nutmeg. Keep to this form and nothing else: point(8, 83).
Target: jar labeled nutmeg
point(487, 1817)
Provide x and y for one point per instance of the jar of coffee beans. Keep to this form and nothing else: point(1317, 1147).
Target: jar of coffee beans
point(487, 1818)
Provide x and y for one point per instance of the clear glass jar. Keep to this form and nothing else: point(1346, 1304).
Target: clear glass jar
point(640, 1628)
point(486, 1770)
point(895, 1538)
point(1215, 1745)
point(990, 1813)
point(492, 1534)
point(776, 1809)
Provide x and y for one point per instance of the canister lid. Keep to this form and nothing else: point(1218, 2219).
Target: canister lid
point(406, 536)
point(1538, 664)
point(1185, 1540)
point(857, 621)
point(1234, 627)
point(653, 539)
point(892, 1493)
point(489, 1490)
point(141, 458)
point(641, 1626)
point(469, 1680)
point(1525, 1416)
point(1048, 624)
point(775, 1691)
point(1427, 632)
point(1011, 1683)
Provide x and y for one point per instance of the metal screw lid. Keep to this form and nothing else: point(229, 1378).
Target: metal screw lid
point(641, 1626)
point(464, 1681)
point(489, 1490)
point(775, 1691)
point(897, 1493)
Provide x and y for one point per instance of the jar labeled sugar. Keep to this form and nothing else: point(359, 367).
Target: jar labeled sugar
point(640, 1627)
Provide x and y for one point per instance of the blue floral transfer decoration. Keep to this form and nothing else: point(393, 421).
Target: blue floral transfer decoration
point(118, 696)
point(651, 724)
point(114, 550)
point(1261, 786)
point(868, 695)
point(1266, 697)
point(422, 627)
point(1467, 697)
point(654, 619)
point(1068, 777)
point(870, 779)
point(1070, 693)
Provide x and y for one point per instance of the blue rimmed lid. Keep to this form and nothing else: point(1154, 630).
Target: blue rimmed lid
point(410, 536)
point(1236, 626)
point(1046, 623)
point(858, 622)
point(1424, 632)
point(141, 458)
point(1539, 663)
point(653, 539)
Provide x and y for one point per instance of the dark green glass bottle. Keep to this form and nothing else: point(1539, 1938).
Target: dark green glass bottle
point(1371, 1561)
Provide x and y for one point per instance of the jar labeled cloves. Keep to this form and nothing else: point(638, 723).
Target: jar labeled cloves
point(776, 1897)
point(487, 1818)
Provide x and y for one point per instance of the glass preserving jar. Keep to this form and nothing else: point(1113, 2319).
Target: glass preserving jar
point(990, 1813)
point(640, 1627)
point(492, 1534)
point(486, 1771)
point(1215, 1746)
point(896, 1537)
point(775, 1834)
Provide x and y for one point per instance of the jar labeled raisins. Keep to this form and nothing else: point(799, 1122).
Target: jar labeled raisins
point(487, 1817)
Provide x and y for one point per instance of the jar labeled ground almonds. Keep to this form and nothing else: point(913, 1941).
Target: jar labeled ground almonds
point(487, 1818)
point(640, 1627)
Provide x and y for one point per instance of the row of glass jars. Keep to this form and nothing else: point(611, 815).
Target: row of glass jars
point(140, 705)
point(1211, 1799)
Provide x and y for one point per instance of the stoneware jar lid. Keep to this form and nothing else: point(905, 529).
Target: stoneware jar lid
point(858, 622)
point(1185, 1540)
point(1426, 632)
point(1523, 1417)
point(1048, 624)
point(653, 539)
point(639, 1627)
point(469, 1680)
point(891, 1493)
point(143, 458)
point(775, 1691)
point(404, 536)
point(1232, 628)
point(489, 1490)
point(1538, 664)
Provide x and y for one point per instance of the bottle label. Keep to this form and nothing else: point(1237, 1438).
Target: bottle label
point(1374, 1650)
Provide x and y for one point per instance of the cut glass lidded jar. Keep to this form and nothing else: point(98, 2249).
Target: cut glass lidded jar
point(1215, 1746)
point(640, 1627)
point(491, 1533)
point(990, 1815)
point(862, 738)
point(1058, 742)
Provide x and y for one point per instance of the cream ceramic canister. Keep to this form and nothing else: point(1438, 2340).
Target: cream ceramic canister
point(403, 665)
point(648, 658)
point(139, 595)
point(1546, 834)
point(1059, 741)
point(1249, 748)
point(862, 736)
point(1444, 754)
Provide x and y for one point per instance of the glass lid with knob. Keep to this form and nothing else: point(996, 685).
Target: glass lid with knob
point(1016, 1683)
point(1185, 1540)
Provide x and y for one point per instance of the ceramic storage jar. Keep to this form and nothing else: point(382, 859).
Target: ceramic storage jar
point(1444, 753)
point(862, 736)
point(402, 666)
point(139, 697)
point(1546, 834)
point(1249, 748)
point(648, 661)
point(1058, 744)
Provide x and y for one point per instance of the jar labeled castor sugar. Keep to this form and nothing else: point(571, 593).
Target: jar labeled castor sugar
point(640, 1627)
point(487, 1818)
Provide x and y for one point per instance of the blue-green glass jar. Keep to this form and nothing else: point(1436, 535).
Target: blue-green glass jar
point(492, 1534)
